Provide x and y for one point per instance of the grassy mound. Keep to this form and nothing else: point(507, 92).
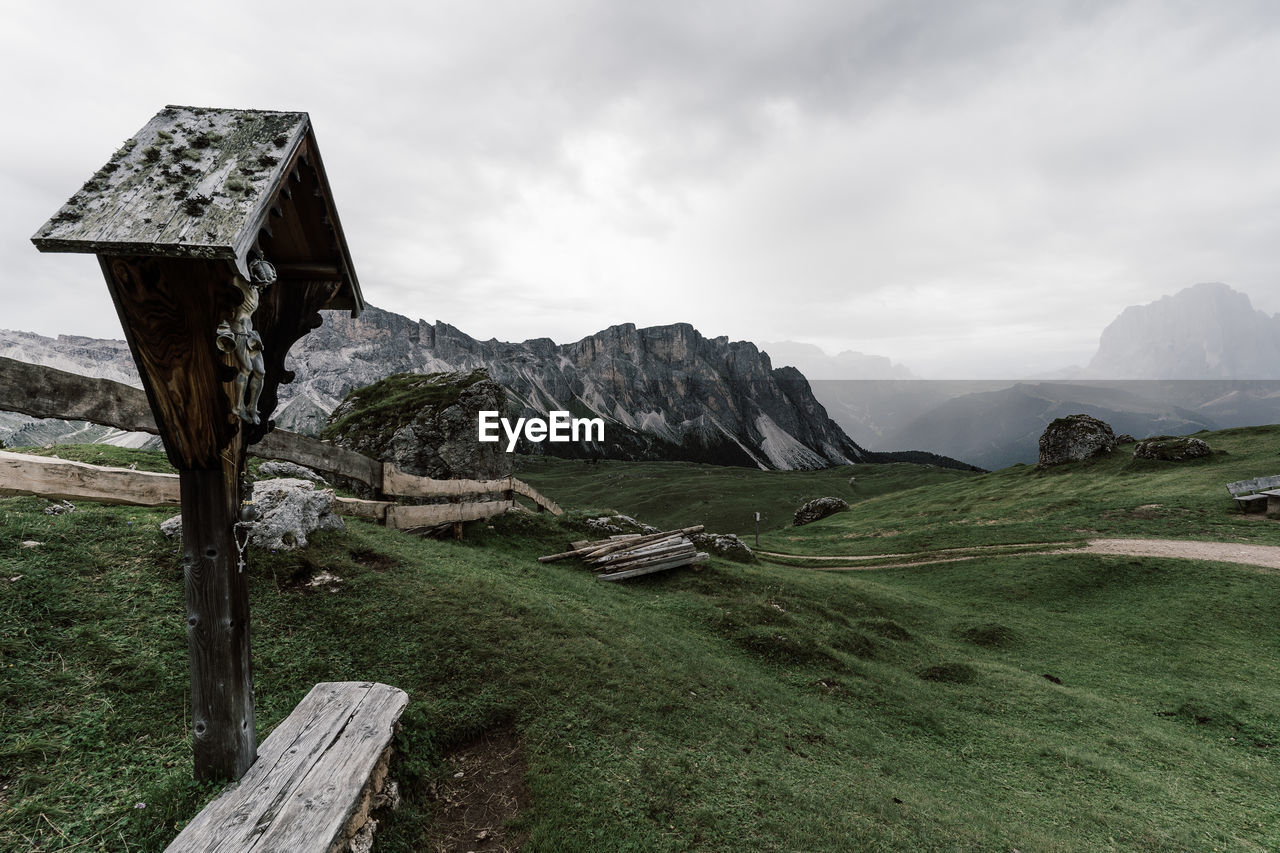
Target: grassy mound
point(370, 415)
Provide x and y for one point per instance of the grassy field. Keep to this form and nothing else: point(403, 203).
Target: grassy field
point(1031, 702)
point(1110, 496)
point(679, 494)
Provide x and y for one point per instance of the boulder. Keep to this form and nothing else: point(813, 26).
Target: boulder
point(617, 525)
point(287, 511)
point(819, 508)
point(1075, 438)
point(426, 424)
point(1171, 449)
point(726, 545)
point(289, 470)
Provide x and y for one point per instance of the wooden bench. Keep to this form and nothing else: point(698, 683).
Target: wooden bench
point(1248, 494)
point(315, 776)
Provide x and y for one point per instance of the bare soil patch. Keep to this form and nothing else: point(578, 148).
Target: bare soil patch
point(482, 794)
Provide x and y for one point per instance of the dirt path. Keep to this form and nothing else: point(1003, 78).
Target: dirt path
point(1263, 556)
point(1266, 556)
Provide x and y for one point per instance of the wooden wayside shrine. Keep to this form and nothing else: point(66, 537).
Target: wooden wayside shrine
point(218, 238)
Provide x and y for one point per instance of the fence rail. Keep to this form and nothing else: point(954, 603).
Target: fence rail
point(46, 392)
point(60, 479)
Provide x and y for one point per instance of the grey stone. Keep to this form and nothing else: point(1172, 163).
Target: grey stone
point(172, 527)
point(616, 525)
point(819, 508)
point(726, 545)
point(1170, 449)
point(276, 468)
point(59, 508)
point(288, 510)
point(1075, 438)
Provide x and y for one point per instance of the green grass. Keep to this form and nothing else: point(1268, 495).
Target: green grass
point(390, 403)
point(1112, 496)
point(679, 494)
point(104, 454)
point(1031, 702)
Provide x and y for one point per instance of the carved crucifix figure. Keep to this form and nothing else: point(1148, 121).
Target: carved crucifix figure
point(238, 336)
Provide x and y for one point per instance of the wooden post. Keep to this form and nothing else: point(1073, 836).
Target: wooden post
point(217, 598)
point(170, 310)
point(184, 219)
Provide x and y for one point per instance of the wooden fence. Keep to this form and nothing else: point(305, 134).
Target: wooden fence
point(45, 392)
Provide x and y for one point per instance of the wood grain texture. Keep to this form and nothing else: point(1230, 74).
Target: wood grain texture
point(603, 547)
point(356, 508)
point(397, 482)
point(46, 392)
point(217, 606)
point(190, 183)
point(412, 517)
point(22, 474)
point(204, 183)
point(657, 566)
point(543, 502)
point(303, 450)
point(170, 310)
point(309, 776)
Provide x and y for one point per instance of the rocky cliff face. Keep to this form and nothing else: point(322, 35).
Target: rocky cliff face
point(1208, 331)
point(665, 392)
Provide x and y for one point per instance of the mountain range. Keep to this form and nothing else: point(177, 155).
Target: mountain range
point(1202, 358)
point(666, 392)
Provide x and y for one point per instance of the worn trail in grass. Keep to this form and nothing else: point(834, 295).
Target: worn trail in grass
point(1262, 556)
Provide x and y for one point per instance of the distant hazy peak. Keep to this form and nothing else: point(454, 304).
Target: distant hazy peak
point(814, 362)
point(1208, 331)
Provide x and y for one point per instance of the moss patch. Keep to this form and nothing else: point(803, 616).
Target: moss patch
point(383, 407)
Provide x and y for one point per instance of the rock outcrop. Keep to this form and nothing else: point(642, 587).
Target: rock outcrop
point(1075, 438)
point(819, 508)
point(1172, 448)
point(425, 424)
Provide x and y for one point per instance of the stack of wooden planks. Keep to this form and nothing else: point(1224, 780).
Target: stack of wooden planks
point(633, 554)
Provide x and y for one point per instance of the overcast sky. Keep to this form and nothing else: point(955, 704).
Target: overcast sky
point(972, 189)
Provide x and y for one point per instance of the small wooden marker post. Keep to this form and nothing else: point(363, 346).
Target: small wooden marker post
point(219, 241)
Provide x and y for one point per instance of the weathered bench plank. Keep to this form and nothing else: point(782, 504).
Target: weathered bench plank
point(1252, 493)
point(309, 777)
